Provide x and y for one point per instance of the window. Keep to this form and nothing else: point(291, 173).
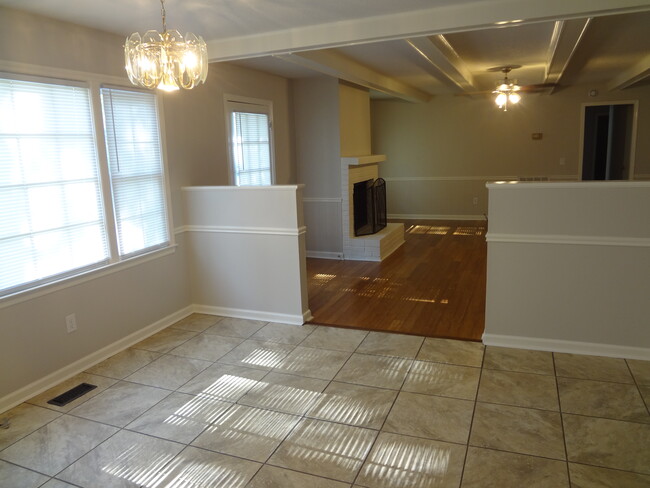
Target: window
point(136, 170)
point(56, 213)
point(250, 142)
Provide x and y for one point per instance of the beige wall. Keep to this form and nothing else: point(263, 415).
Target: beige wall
point(195, 123)
point(568, 267)
point(354, 120)
point(318, 157)
point(440, 154)
point(111, 307)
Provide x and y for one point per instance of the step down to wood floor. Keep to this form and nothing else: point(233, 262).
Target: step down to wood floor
point(72, 394)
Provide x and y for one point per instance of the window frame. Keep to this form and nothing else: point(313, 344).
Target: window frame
point(235, 103)
point(115, 263)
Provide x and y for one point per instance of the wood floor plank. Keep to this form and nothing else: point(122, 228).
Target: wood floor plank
point(434, 285)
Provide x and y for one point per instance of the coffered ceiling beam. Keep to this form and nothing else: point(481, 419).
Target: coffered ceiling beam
point(443, 62)
point(335, 64)
point(632, 75)
point(456, 16)
point(565, 40)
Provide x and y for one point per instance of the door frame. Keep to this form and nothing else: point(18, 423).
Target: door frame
point(635, 116)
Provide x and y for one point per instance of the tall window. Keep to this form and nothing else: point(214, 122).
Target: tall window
point(251, 142)
point(135, 164)
point(56, 214)
point(51, 212)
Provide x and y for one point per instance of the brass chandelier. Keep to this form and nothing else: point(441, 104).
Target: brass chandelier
point(166, 61)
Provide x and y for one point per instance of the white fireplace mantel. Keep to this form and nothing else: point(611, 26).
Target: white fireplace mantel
point(359, 160)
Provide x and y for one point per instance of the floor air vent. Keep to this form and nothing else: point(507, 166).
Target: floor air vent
point(72, 394)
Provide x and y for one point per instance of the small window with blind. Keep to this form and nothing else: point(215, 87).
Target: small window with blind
point(68, 206)
point(250, 135)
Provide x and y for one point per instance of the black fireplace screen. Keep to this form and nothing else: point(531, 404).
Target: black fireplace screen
point(369, 202)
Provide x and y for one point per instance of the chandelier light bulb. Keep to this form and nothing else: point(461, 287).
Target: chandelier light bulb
point(514, 97)
point(166, 61)
point(501, 99)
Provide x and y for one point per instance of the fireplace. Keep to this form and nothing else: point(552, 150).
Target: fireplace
point(369, 206)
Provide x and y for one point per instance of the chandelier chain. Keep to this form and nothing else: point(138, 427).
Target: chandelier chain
point(164, 15)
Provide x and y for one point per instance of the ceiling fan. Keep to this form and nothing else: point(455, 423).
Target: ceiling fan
point(507, 90)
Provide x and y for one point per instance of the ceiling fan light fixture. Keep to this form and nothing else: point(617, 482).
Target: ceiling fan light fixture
point(166, 61)
point(506, 90)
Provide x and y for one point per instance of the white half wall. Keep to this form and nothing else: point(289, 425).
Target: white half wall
point(246, 251)
point(569, 267)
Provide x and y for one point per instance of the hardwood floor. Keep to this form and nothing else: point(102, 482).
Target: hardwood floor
point(434, 285)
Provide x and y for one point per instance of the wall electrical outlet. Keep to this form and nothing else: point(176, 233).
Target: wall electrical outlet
point(71, 322)
point(475, 200)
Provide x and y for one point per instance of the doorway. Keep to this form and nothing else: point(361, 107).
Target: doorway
point(609, 135)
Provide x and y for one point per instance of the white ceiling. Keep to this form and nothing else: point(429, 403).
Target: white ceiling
point(408, 48)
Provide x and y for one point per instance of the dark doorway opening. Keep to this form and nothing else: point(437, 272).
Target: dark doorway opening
point(608, 142)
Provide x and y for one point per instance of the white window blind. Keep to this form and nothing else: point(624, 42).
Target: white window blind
point(51, 212)
point(251, 148)
point(136, 170)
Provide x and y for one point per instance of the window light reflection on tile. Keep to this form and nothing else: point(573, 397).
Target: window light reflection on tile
point(407, 464)
point(229, 386)
point(264, 357)
point(332, 444)
point(432, 374)
point(254, 422)
point(202, 408)
point(337, 408)
point(138, 465)
point(198, 474)
point(283, 397)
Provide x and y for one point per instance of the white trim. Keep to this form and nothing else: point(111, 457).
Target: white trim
point(64, 74)
point(435, 217)
point(321, 200)
point(527, 185)
point(239, 188)
point(222, 229)
point(94, 274)
point(325, 255)
point(72, 369)
point(581, 141)
point(254, 314)
point(361, 160)
point(566, 239)
point(483, 178)
point(574, 347)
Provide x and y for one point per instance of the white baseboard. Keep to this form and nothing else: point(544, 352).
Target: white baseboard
point(53, 379)
point(253, 314)
point(574, 347)
point(325, 255)
point(435, 217)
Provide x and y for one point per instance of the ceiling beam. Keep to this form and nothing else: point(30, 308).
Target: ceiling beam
point(565, 40)
point(337, 65)
point(632, 75)
point(443, 62)
point(456, 16)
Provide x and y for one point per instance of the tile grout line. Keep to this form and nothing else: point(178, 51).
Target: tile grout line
point(471, 424)
point(559, 402)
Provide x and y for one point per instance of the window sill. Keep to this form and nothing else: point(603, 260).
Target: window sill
point(108, 269)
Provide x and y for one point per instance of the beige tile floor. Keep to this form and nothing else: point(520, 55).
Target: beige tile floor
point(220, 402)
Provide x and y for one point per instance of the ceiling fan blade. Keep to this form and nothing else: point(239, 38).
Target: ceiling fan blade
point(537, 87)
